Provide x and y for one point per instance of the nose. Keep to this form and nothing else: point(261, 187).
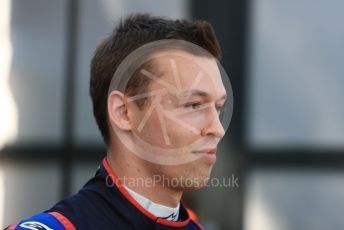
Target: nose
point(213, 125)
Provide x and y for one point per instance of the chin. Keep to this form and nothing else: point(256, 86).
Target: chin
point(190, 177)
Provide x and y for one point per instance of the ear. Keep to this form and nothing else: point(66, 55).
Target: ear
point(118, 111)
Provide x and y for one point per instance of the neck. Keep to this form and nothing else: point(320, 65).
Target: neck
point(137, 175)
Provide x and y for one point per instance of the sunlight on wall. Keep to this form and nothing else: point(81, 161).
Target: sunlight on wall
point(258, 214)
point(8, 110)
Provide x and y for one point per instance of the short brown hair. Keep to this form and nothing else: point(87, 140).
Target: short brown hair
point(131, 33)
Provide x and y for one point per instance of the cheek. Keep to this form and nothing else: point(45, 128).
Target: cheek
point(151, 131)
point(194, 120)
point(187, 131)
point(177, 134)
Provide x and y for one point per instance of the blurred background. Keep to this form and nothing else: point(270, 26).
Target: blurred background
point(285, 142)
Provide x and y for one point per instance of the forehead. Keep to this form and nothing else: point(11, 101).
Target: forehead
point(184, 71)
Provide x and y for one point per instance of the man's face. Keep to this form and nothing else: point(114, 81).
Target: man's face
point(186, 95)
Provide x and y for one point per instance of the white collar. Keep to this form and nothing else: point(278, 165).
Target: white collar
point(158, 210)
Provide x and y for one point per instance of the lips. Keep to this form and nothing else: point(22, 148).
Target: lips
point(209, 154)
point(207, 151)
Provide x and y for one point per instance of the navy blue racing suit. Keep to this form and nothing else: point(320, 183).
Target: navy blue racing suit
point(103, 203)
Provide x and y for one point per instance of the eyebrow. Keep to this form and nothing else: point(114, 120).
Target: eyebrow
point(196, 92)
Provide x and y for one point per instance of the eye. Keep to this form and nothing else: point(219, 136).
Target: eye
point(193, 105)
point(219, 108)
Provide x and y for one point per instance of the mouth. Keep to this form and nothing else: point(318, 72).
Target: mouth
point(209, 153)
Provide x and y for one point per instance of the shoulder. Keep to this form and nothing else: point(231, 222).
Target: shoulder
point(44, 221)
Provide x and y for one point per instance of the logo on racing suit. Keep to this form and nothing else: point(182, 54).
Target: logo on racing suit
point(172, 216)
point(34, 225)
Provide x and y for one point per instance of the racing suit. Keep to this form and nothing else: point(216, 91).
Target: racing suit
point(103, 203)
